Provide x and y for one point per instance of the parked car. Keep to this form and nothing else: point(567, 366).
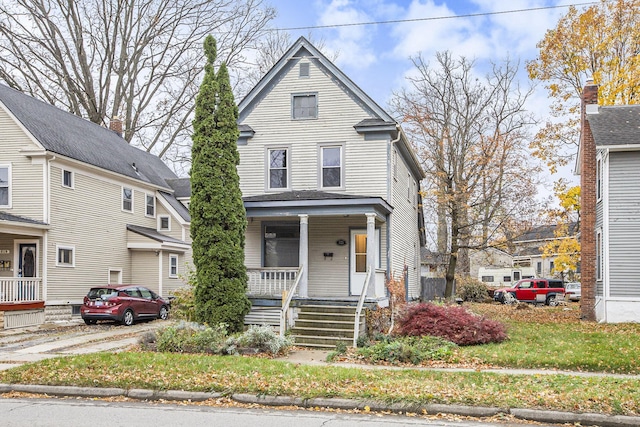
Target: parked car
point(535, 290)
point(573, 291)
point(124, 304)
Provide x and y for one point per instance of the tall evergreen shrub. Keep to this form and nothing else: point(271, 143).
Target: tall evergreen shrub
point(218, 218)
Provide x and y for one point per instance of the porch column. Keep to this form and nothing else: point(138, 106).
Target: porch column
point(303, 290)
point(371, 253)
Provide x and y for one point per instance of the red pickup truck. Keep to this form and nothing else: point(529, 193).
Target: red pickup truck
point(547, 291)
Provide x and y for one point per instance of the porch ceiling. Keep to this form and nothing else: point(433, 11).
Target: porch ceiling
point(315, 203)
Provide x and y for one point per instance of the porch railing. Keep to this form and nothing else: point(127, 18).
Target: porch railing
point(20, 289)
point(363, 295)
point(287, 301)
point(270, 281)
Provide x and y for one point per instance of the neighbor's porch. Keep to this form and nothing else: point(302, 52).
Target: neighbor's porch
point(21, 271)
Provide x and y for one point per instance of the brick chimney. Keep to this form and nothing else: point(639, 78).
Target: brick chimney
point(588, 206)
point(116, 125)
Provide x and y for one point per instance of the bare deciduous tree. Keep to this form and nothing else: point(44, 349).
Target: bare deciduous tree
point(472, 135)
point(137, 60)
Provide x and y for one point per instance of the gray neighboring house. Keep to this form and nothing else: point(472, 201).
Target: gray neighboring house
point(609, 165)
point(80, 207)
point(528, 252)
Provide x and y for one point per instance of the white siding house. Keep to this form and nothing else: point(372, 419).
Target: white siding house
point(330, 183)
point(80, 207)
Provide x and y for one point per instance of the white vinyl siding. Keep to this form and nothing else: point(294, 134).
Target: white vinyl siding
point(27, 175)
point(338, 114)
point(404, 225)
point(105, 247)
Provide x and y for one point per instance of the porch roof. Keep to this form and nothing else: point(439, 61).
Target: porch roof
point(21, 225)
point(313, 202)
point(162, 241)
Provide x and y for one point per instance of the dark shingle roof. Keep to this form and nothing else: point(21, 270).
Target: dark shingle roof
point(71, 136)
point(543, 232)
point(153, 234)
point(300, 195)
point(180, 186)
point(182, 210)
point(15, 218)
point(616, 125)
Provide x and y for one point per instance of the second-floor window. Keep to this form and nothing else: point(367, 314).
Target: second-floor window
point(304, 106)
point(67, 179)
point(163, 223)
point(127, 199)
point(331, 167)
point(278, 163)
point(150, 205)
point(5, 185)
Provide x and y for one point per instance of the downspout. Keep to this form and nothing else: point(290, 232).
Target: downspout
point(47, 218)
point(389, 218)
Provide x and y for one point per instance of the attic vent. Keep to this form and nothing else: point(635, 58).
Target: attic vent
point(304, 69)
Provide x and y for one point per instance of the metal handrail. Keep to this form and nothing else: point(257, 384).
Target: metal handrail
point(287, 302)
point(356, 325)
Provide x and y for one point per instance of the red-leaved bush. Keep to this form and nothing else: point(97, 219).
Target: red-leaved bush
point(453, 323)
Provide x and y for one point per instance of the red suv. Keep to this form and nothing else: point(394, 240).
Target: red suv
point(124, 304)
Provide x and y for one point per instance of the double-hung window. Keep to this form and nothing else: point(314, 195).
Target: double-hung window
point(173, 265)
point(278, 168)
point(127, 199)
point(150, 205)
point(5, 186)
point(304, 106)
point(331, 166)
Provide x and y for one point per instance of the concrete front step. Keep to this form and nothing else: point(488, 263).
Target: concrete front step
point(323, 326)
point(321, 342)
point(322, 332)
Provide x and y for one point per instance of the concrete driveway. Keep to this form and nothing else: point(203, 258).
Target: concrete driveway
point(18, 346)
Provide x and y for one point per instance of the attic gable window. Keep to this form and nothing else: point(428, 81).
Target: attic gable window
point(304, 106)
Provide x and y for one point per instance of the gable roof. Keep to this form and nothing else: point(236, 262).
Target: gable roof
point(300, 49)
point(615, 125)
point(543, 232)
point(68, 135)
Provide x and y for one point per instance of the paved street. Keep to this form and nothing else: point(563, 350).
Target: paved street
point(72, 413)
point(34, 344)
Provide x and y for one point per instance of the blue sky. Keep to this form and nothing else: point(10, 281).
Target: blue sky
point(376, 57)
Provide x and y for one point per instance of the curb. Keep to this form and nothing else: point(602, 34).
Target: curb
point(555, 417)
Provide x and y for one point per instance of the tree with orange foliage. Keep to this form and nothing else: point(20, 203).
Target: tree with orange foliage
point(472, 136)
point(565, 247)
point(600, 42)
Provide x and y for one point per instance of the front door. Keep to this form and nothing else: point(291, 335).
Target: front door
point(358, 259)
point(27, 262)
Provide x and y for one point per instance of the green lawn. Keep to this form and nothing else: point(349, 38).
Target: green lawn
point(539, 337)
point(555, 338)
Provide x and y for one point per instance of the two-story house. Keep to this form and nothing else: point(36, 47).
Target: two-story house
point(609, 169)
point(80, 207)
point(330, 184)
